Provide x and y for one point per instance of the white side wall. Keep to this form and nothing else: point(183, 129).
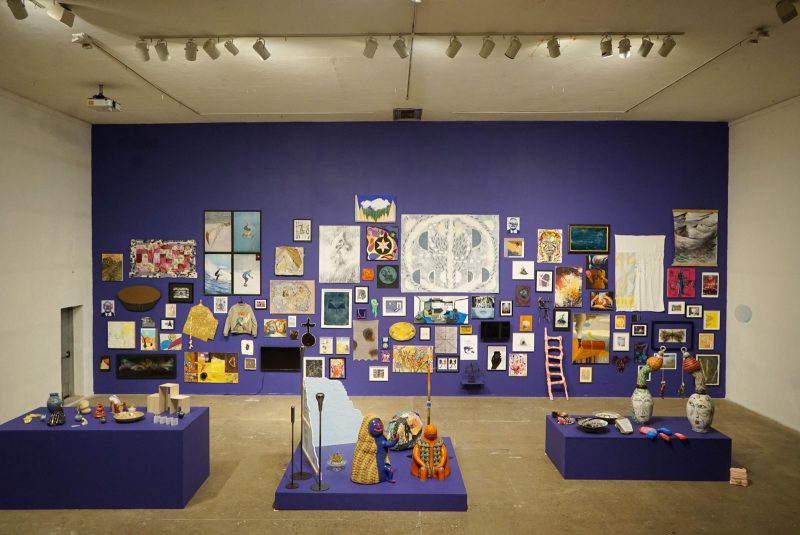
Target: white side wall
point(45, 251)
point(764, 262)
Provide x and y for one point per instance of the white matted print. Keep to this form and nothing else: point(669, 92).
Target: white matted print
point(326, 345)
point(496, 358)
point(676, 307)
point(621, 341)
point(585, 374)
point(523, 270)
point(522, 342)
point(469, 346)
point(393, 306)
point(339, 254)
point(379, 373)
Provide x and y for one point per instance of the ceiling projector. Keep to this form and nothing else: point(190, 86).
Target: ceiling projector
point(100, 102)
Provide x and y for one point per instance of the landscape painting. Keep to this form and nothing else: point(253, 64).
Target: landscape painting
point(591, 334)
point(376, 208)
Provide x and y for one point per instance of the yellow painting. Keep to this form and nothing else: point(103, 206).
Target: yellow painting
point(711, 320)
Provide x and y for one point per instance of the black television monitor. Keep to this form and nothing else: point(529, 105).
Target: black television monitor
point(495, 331)
point(281, 359)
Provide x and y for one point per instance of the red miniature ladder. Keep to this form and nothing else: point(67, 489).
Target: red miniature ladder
point(553, 363)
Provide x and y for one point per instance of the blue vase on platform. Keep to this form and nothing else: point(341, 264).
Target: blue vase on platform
point(53, 402)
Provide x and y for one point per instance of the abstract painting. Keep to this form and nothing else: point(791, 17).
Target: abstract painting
point(544, 280)
point(218, 279)
point(597, 271)
point(450, 253)
point(441, 309)
point(336, 308)
point(681, 282)
point(275, 328)
point(695, 237)
point(365, 340)
point(151, 366)
point(381, 243)
point(210, 367)
point(518, 365)
point(376, 208)
point(640, 352)
point(170, 341)
point(247, 232)
point(522, 295)
point(111, 267)
point(412, 359)
point(247, 274)
point(388, 276)
point(289, 261)
point(339, 254)
point(514, 247)
point(342, 345)
point(446, 342)
point(292, 297)
point(482, 307)
point(548, 249)
point(337, 368)
point(591, 334)
point(163, 258)
point(711, 320)
point(217, 235)
point(710, 366)
point(588, 238)
point(121, 335)
point(569, 287)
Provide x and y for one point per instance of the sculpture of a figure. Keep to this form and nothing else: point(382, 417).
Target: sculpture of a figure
point(371, 455)
point(429, 459)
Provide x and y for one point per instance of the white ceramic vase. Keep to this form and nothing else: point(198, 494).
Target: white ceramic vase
point(700, 412)
point(641, 405)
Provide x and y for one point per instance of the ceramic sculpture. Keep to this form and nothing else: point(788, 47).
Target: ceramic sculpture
point(641, 399)
point(53, 402)
point(699, 407)
point(429, 459)
point(371, 455)
point(407, 427)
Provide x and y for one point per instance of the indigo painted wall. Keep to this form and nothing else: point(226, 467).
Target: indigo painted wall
point(155, 182)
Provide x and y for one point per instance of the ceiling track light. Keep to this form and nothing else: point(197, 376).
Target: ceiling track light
point(624, 47)
point(18, 9)
point(141, 48)
point(646, 46)
point(487, 47)
point(231, 47)
point(453, 47)
point(370, 47)
point(513, 47)
point(553, 47)
point(190, 51)
point(162, 50)
point(400, 47)
point(261, 49)
point(210, 46)
point(60, 13)
point(666, 46)
point(606, 46)
point(785, 9)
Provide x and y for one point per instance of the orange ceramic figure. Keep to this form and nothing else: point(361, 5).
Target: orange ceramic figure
point(430, 456)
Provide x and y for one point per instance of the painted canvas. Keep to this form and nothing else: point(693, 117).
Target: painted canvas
point(147, 339)
point(217, 235)
point(376, 208)
point(601, 300)
point(482, 307)
point(163, 259)
point(292, 297)
point(218, 274)
point(275, 328)
point(381, 243)
point(339, 254)
point(247, 232)
point(337, 308)
point(111, 267)
point(681, 282)
point(342, 345)
point(710, 366)
point(569, 287)
point(549, 245)
point(695, 237)
point(121, 335)
point(450, 253)
point(412, 359)
point(514, 247)
point(336, 368)
point(518, 365)
point(247, 274)
point(710, 284)
point(289, 261)
point(446, 342)
point(441, 309)
point(210, 367)
point(170, 341)
point(365, 340)
point(591, 334)
point(588, 238)
point(597, 271)
point(149, 366)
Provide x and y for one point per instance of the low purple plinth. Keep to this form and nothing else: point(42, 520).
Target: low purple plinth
point(612, 455)
point(138, 465)
point(408, 494)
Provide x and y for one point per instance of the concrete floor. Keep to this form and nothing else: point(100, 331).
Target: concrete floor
point(512, 486)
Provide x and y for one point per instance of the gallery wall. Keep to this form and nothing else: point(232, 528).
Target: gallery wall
point(763, 369)
point(45, 230)
point(155, 182)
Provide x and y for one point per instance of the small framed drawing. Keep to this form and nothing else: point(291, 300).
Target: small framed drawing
point(314, 367)
point(221, 304)
point(711, 320)
point(710, 367)
point(672, 334)
point(561, 320)
point(676, 308)
point(705, 341)
point(250, 363)
point(638, 329)
point(261, 304)
point(694, 311)
point(514, 247)
point(337, 368)
point(522, 342)
point(393, 306)
point(544, 280)
point(326, 345)
point(170, 310)
point(585, 374)
point(512, 225)
point(447, 364)
point(301, 230)
point(622, 342)
point(710, 287)
point(588, 238)
point(362, 294)
point(424, 334)
point(167, 325)
point(379, 373)
point(342, 345)
point(523, 270)
point(506, 308)
point(181, 292)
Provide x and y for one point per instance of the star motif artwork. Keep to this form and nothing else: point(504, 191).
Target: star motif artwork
point(382, 243)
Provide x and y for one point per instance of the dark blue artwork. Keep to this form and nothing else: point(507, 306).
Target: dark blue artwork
point(588, 238)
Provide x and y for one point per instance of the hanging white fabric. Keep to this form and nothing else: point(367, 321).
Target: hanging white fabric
point(639, 273)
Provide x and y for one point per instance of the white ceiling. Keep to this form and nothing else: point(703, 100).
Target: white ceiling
point(328, 78)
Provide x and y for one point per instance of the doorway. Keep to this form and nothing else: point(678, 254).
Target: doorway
point(67, 352)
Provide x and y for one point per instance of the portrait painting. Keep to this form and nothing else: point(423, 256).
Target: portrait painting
point(549, 241)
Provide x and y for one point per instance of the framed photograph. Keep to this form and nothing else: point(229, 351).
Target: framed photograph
point(710, 367)
point(337, 368)
point(393, 306)
point(621, 341)
point(506, 308)
point(710, 284)
point(181, 292)
point(585, 374)
point(522, 342)
point(496, 358)
point(447, 364)
point(361, 295)
point(218, 274)
point(514, 248)
point(711, 320)
point(588, 238)
point(313, 367)
point(250, 364)
point(301, 230)
point(561, 320)
point(694, 311)
point(512, 225)
point(337, 307)
point(108, 308)
point(168, 325)
point(676, 308)
point(544, 280)
point(261, 304)
point(247, 231)
point(672, 334)
point(379, 373)
point(638, 329)
point(523, 270)
point(620, 322)
point(705, 341)
point(342, 345)
point(526, 323)
point(326, 345)
point(424, 334)
point(465, 329)
point(670, 361)
point(482, 307)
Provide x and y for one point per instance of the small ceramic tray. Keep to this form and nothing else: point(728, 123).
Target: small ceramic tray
point(608, 415)
point(128, 417)
point(593, 425)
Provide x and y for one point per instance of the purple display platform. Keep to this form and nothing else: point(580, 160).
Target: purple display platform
point(408, 494)
point(612, 455)
point(103, 466)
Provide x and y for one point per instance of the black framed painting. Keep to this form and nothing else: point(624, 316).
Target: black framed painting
point(672, 334)
point(589, 238)
point(181, 292)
